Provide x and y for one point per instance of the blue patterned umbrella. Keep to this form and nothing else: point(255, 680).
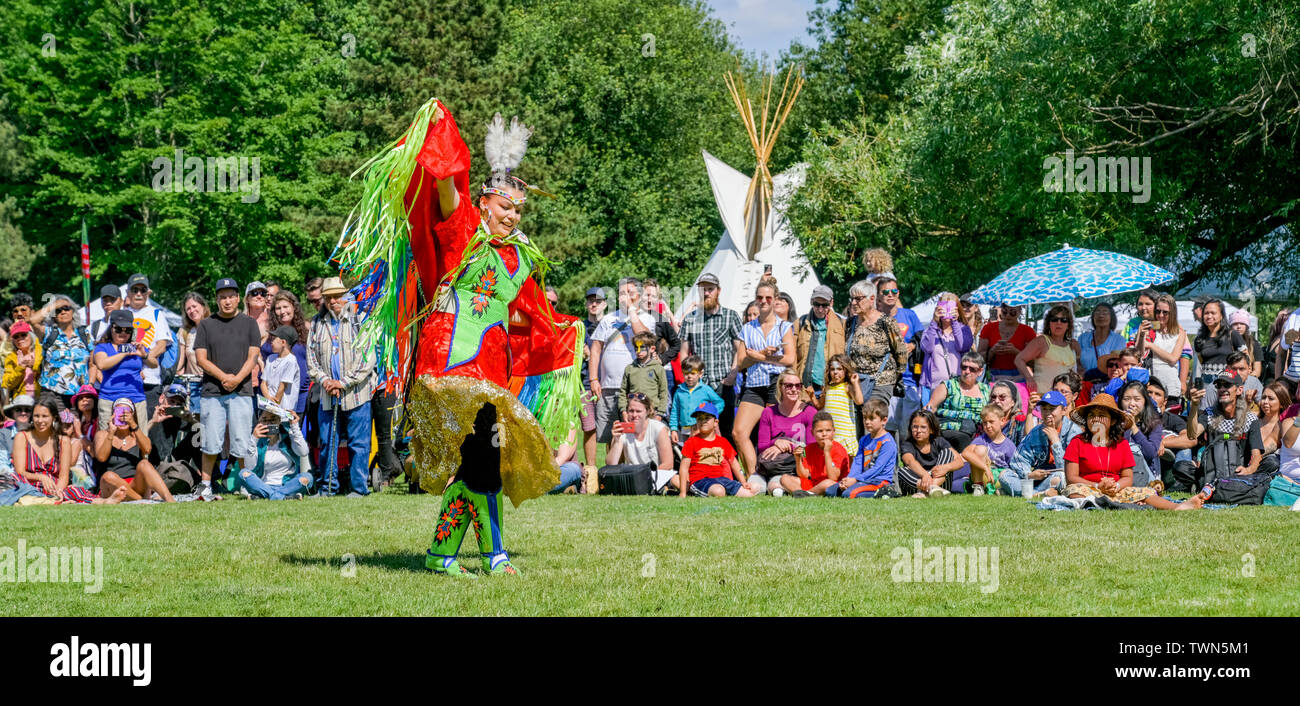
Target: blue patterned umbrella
point(1070, 273)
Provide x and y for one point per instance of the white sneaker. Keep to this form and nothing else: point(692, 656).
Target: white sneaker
point(978, 489)
point(778, 492)
point(937, 492)
point(203, 491)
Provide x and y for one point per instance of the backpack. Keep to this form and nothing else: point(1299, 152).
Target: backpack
point(1242, 490)
point(1223, 455)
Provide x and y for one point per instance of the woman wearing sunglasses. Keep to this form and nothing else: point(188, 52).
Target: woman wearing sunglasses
point(1052, 353)
point(121, 359)
point(67, 352)
point(1166, 346)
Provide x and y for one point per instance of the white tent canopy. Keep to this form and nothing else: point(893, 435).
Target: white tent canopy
point(779, 248)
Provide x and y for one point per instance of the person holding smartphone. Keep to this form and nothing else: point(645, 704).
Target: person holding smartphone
point(121, 361)
point(642, 438)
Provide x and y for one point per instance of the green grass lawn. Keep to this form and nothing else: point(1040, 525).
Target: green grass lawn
point(582, 555)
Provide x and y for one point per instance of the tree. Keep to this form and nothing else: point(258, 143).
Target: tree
point(953, 181)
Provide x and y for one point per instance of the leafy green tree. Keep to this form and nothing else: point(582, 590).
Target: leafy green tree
point(953, 181)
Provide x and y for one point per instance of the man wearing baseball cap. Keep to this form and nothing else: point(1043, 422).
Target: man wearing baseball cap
point(595, 312)
point(226, 346)
point(1230, 431)
point(819, 337)
point(712, 332)
point(151, 329)
point(1039, 464)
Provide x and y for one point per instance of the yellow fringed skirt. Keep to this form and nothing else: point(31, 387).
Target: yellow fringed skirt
point(442, 412)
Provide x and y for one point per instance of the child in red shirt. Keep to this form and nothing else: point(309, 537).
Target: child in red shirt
point(822, 464)
point(706, 458)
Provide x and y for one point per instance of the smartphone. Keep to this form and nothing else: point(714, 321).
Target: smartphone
point(767, 269)
point(120, 416)
point(174, 411)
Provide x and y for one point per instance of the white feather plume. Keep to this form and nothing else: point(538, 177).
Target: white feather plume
point(504, 148)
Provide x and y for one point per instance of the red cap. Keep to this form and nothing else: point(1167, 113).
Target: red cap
point(20, 327)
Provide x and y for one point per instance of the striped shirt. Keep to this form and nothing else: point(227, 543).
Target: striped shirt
point(761, 374)
point(712, 337)
point(1293, 324)
point(840, 408)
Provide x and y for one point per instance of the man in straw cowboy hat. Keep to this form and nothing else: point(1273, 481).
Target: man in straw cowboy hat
point(1099, 462)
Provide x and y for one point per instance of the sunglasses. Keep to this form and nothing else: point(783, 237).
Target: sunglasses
point(639, 396)
point(791, 385)
point(257, 293)
point(857, 298)
point(1111, 365)
point(1223, 385)
point(1162, 312)
point(764, 299)
point(62, 309)
point(970, 369)
point(1058, 320)
point(821, 305)
point(889, 292)
point(18, 336)
point(123, 329)
point(139, 290)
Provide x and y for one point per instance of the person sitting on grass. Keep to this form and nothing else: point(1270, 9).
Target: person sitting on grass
point(782, 428)
point(928, 461)
point(709, 465)
point(1145, 435)
point(1099, 462)
point(687, 397)
point(122, 457)
point(645, 375)
point(570, 471)
point(822, 463)
point(990, 452)
point(840, 393)
point(42, 460)
point(642, 438)
point(873, 466)
point(274, 475)
point(1040, 460)
point(957, 403)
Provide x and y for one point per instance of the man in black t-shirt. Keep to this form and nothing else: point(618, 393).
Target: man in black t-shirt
point(226, 346)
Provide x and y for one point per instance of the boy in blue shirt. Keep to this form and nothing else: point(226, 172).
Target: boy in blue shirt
point(873, 466)
point(690, 393)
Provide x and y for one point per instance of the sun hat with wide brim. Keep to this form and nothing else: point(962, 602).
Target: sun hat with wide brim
point(1103, 401)
point(20, 401)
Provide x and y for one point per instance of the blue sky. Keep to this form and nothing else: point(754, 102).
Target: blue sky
point(764, 25)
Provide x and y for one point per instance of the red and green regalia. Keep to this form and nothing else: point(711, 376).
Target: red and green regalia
point(442, 295)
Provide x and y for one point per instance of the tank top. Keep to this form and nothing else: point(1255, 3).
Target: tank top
point(1164, 372)
point(840, 408)
point(639, 452)
point(34, 465)
point(1289, 456)
point(1056, 360)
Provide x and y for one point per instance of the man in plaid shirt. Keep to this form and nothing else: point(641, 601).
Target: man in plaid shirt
point(713, 333)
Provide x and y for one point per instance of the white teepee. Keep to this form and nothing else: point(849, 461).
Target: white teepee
point(779, 248)
point(757, 233)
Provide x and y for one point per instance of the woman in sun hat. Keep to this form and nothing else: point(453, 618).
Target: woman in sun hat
point(1099, 462)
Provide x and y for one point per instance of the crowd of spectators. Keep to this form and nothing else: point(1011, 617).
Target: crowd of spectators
point(251, 395)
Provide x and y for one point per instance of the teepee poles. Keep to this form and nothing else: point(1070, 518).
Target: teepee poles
point(762, 134)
